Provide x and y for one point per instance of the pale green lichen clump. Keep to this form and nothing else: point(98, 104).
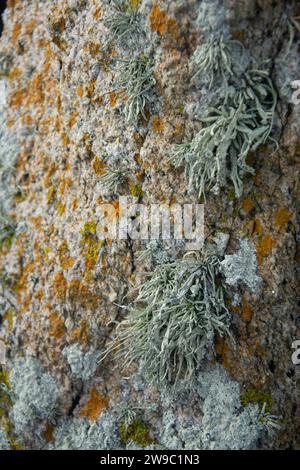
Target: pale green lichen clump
point(240, 121)
point(178, 310)
point(136, 81)
point(125, 23)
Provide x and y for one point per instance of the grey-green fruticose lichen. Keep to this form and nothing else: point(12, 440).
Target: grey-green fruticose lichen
point(136, 81)
point(124, 23)
point(34, 393)
point(178, 310)
point(241, 267)
point(239, 121)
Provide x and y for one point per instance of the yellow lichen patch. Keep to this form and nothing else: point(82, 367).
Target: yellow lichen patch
point(60, 286)
point(65, 139)
point(74, 204)
point(98, 166)
point(94, 406)
point(248, 205)
point(161, 23)
point(14, 73)
point(57, 327)
point(135, 4)
point(247, 312)
point(9, 318)
point(82, 333)
point(73, 119)
point(158, 124)
point(264, 247)
point(97, 13)
point(94, 49)
point(51, 195)
point(66, 261)
point(136, 190)
point(64, 183)
point(113, 98)
point(281, 217)
point(60, 207)
point(79, 91)
point(50, 172)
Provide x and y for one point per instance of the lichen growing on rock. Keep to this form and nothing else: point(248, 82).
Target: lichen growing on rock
point(35, 393)
point(83, 365)
point(178, 310)
point(241, 267)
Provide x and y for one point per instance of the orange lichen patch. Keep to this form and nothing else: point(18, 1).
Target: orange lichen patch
point(60, 42)
point(49, 432)
point(48, 177)
point(60, 207)
point(79, 91)
point(98, 166)
point(39, 294)
point(17, 98)
point(93, 48)
point(248, 205)
point(66, 261)
point(73, 119)
point(94, 406)
point(161, 23)
point(65, 183)
point(90, 88)
point(82, 333)
point(36, 221)
point(30, 26)
point(14, 73)
point(80, 294)
point(65, 139)
point(281, 217)
point(12, 3)
point(57, 327)
point(113, 98)
point(254, 227)
point(247, 312)
point(74, 204)
point(27, 120)
point(158, 124)
point(16, 32)
point(97, 14)
point(222, 348)
point(60, 286)
point(264, 247)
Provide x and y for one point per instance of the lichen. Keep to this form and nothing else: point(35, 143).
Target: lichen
point(136, 432)
point(83, 365)
point(135, 78)
point(178, 310)
point(256, 396)
point(241, 267)
point(35, 393)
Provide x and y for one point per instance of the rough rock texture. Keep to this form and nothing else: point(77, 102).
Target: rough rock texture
point(61, 121)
